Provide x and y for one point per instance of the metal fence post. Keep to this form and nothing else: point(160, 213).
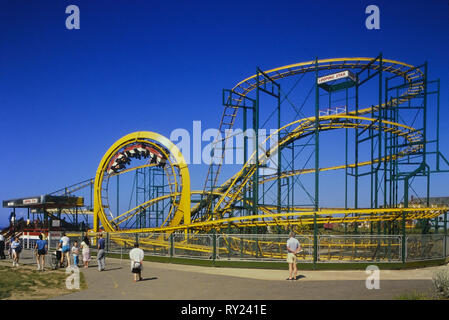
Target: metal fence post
point(404, 240)
point(404, 243)
point(214, 247)
point(444, 246)
point(256, 249)
point(445, 234)
point(171, 245)
point(229, 246)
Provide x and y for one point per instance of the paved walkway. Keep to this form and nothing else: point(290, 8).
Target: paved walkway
point(172, 281)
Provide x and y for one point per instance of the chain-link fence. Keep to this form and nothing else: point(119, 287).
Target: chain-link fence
point(425, 246)
point(386, 248)
point(271, 247)
point(262, 247)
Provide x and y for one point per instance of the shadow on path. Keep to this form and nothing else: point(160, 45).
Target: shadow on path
point(111, 269)
point(147, 279)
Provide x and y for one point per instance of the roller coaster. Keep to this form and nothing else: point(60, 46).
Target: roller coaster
point(236, 202)
point(390, 120)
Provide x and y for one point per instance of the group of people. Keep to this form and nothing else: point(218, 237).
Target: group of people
point(64, 250)
point(136, 255)
point(67, 252)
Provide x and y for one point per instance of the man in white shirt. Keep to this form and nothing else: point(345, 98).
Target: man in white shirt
point(136, 256)
point(293, 247)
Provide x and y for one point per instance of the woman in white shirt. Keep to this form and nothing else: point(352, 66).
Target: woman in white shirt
point(136, 256)
point(85, 252)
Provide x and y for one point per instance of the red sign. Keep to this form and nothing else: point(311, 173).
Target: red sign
point(30, 201)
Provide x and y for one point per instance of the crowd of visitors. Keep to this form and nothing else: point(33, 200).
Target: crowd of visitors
point(136, 255)
point(65, 253)
point(71, 254)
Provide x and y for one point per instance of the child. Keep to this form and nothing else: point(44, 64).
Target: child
point(75, 253)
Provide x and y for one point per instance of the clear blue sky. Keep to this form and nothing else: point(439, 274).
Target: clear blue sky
point(67, 95)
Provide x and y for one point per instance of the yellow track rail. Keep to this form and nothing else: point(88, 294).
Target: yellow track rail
point(300, 128)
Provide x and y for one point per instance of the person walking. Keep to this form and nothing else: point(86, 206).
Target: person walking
point(136, 256)
point(2, 247)
point(16, 248)
point(293, 247)
point(85, 251)
point(65, 244)
point(41, 247)
point(100, 253)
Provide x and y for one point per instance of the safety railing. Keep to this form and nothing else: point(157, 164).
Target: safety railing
point(272, 247)
point(425, 246)
point(381, 248)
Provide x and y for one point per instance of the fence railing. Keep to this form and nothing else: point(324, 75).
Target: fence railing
point(384, 248)
point(272, 247)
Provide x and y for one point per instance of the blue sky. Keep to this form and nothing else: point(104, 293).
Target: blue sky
point(67, 95)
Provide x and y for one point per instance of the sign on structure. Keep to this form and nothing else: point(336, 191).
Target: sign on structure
point(336, 76)
point(30, 201)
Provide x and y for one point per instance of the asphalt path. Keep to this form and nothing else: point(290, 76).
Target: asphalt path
point(165, 281)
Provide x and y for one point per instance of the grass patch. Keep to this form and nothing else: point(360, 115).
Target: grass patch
point(413, 295)
point(29, 284)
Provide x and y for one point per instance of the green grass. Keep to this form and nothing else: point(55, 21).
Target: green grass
point(413, 295)
point(26, 283)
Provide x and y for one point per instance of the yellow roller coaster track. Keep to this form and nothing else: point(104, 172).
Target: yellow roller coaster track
point(302, 127)
point(181, 201)
point(303, 218)
point(412, 76)
point(409, 72)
